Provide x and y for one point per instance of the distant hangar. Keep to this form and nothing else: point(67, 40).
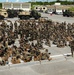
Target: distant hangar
point(16, 6)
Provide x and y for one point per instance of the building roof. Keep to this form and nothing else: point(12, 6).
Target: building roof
point(59, 6)
point(17, 5)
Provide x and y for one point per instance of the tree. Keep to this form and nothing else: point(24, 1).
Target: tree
point(58, 0)
point(0, 5)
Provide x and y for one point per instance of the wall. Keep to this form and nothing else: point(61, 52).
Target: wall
point(22, 6)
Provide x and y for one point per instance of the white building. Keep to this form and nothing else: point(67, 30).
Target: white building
point(17, 5)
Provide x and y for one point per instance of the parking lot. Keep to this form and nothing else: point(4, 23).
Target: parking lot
point(58, 18)
point(61, 64)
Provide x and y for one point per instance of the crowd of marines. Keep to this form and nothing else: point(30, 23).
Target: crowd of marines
point(26, 31)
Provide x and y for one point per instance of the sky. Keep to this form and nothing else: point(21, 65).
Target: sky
point(27, 0)
point(23, 0)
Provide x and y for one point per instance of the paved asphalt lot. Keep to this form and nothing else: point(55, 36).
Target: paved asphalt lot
point(59, 18)
point(61, 64)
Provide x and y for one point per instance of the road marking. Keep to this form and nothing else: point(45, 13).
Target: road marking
point(60, 55)
point(10, 66)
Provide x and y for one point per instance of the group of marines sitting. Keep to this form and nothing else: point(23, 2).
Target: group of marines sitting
point(28, 31)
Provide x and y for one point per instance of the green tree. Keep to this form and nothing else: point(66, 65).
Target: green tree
point(58, 0)
point(0, 5)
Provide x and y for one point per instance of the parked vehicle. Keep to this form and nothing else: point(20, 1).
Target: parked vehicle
point(48, 11)
point(29, 14)
point(59, 12)
point(68, 13)
point(3, 14)
point(11, 13)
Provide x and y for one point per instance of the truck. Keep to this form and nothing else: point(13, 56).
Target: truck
point(11, 13)
point(29, 14)
point(68, 13)
point(24, 14)
point(3, 14)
